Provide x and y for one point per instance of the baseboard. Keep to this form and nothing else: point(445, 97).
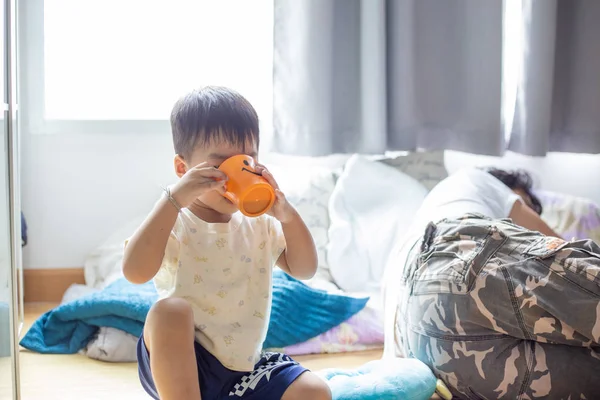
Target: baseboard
point(49, 285)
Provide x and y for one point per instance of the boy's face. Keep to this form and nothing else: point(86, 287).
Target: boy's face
point(214, 154)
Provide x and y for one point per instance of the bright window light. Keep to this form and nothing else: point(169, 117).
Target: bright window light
point(131, 59)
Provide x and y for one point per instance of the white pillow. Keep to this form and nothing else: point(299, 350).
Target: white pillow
point(372, 206)
point(308, 188)
point(103, 265)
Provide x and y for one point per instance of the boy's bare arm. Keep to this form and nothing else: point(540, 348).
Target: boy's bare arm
point(299, 259)
point(146, 248)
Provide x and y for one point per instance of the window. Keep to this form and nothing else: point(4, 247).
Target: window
point(512, 61)
point(119, 65)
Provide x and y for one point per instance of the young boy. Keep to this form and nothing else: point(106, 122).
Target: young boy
point(212, 268)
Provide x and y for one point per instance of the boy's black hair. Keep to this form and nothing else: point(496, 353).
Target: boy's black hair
point(518, 179)
point(210, 114)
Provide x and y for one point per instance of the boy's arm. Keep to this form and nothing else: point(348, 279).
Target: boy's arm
point(299, 259)
point(145, 250)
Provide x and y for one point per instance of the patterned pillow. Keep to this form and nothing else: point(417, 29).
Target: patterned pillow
point(309, 188)
point(570, 216)
point(427, 167)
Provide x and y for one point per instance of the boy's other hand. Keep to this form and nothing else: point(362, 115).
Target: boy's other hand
point(281, 210)
point(197, 181)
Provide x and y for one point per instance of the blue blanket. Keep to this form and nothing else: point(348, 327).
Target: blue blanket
point(298, 313)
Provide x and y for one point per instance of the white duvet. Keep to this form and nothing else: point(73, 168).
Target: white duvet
point(371, 207)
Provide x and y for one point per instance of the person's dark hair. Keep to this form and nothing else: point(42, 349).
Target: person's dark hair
point(518, 179)
point(211, 114)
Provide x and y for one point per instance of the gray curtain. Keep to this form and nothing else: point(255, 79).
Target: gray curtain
point(375, 75)
point(557, 106)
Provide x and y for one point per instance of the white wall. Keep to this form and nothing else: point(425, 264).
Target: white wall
point(78, 189)
point(5, 264)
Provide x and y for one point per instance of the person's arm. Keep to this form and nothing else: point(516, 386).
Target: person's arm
point(145, 250)
point(524, 216)
point(299, 259)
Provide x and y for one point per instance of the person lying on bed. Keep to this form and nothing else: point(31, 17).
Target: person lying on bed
point(212, 267)
point(491, 298)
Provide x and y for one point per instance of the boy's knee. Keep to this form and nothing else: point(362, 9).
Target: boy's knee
point(172, 312)
point(321, 391)
point(308, 386)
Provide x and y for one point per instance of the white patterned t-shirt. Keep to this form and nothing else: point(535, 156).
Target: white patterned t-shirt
point(224, 271)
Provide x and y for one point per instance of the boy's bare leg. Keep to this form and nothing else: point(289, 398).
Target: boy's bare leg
point(169, 337)
point(307, 386)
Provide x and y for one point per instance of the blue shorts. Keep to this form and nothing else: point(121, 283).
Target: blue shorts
point(271, 377)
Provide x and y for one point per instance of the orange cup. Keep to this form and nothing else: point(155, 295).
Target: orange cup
point(247, 189)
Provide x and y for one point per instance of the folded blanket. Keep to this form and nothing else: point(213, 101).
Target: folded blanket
point(298, 314)
point(364, 331)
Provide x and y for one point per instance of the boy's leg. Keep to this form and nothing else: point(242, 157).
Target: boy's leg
point(308, 386)
point(169, 338)
point(277, 376)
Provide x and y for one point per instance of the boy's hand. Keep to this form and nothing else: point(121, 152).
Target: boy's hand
point(196, 181)
point(281, 210)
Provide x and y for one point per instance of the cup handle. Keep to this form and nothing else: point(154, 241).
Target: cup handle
point(229, 196)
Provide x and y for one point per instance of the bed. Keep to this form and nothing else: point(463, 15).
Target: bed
point(335, 194)
point(324, 191)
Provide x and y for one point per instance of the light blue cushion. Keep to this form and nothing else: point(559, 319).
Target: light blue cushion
point(389, 379)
